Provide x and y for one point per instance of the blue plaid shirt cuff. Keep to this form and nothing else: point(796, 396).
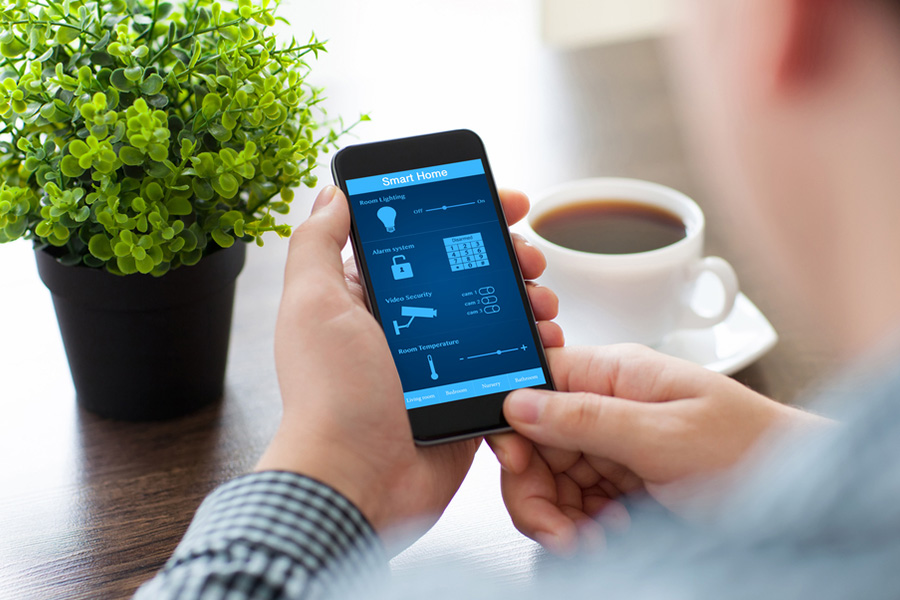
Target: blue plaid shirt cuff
point(272, 535)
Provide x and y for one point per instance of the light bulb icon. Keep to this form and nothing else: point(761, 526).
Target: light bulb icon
point(388, 216)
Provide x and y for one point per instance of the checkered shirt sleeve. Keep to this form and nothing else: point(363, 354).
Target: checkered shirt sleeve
point(272, 535)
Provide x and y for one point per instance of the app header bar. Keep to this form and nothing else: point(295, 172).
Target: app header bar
point(391, 181)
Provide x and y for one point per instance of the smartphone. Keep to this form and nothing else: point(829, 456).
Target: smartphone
point(435, 256)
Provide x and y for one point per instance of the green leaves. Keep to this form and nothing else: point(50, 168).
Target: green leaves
point(218, 131)
point(225, 185)
point(64, 211)
point(163, 10)
point(119, 80)
point(148, 133)
point(130, 156)
point(222, 238)
point(179, 206)
point(100, 247)
point(211, 104)
point(94, 153)
point(16, 207)
point(13, 48)
point(187, 149)
point(136, 253)
point(70, 166)
point(153, 84)
point(64, 35)
point(133, 74)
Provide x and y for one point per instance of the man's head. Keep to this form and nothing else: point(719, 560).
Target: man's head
point(795, 107)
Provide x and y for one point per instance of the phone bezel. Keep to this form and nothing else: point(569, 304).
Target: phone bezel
point(458, 419)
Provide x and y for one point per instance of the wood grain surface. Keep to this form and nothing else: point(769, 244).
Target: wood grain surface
point(90, 508)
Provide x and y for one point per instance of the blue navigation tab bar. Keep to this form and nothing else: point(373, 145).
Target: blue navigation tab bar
point(474, 388)
point(390, 181)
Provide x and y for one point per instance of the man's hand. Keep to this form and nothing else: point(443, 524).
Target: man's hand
point(633, 419)
point(344, 419)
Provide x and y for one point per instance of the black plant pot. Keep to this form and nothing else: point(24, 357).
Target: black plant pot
point(141, 347)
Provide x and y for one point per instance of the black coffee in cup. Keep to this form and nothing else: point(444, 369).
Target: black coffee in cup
point(611, 227)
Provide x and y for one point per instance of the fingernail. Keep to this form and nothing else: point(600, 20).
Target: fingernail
point(591, 537)
point(553, 543)
point(324, 197)
point(615, 517)
point(550, 541)
point(503, 459)
point(525, 406)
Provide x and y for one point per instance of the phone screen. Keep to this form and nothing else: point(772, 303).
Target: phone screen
point(434, 244)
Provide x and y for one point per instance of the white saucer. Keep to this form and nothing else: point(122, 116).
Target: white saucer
point(740, 340)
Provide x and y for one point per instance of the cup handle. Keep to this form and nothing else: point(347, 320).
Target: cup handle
point(719, 267)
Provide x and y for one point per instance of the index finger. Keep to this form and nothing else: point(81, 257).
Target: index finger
point(513, 452)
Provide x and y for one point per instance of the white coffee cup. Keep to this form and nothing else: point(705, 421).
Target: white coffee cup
point(642, 297)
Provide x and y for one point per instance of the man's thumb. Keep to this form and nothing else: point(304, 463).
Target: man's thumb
point(581, 421)
point(315, 251)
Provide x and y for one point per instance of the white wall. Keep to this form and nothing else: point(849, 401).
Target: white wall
point(572, 23)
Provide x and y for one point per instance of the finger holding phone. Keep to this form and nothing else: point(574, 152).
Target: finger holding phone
point(344, 419)
point(438, 266)
point(626, 419)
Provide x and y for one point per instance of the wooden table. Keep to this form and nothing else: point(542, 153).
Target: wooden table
point(90, 508)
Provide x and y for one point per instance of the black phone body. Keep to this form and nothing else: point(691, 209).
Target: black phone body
point(436, 259)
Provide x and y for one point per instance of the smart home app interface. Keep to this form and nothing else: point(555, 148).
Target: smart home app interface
point(445, 288)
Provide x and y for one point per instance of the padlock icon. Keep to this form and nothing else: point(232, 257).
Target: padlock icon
point(401, 270)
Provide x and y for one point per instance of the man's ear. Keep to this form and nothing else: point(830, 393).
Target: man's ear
point(804, 39)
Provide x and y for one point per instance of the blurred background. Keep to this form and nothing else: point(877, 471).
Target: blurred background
point(557, 89)
point(515, 71)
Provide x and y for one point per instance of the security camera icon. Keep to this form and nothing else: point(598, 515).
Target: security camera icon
point(412, 312)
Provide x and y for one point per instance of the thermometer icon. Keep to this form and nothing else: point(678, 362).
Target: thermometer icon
point(434, 374)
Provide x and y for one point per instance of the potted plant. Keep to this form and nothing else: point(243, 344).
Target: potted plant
point(142, 142)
